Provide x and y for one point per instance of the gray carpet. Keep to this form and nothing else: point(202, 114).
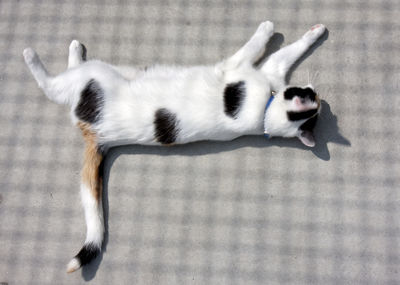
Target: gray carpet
point(250, 211)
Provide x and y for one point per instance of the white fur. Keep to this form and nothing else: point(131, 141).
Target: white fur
point(73, 265)
point(93, 217)
point(75, 54)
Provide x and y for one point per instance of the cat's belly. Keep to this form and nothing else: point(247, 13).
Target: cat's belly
point(164, 124)
point(161, 111)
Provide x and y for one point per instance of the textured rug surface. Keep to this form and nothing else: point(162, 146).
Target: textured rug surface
point(250, 211)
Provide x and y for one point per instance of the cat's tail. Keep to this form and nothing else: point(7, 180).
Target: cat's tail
point(85, 256)
point(91, 195)
point(95, 230)
point(56, 89)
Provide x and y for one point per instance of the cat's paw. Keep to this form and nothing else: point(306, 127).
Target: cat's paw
point(75, 45)
point(266, 28)
point(315, 32)
point(77, 49)
point(30, 56)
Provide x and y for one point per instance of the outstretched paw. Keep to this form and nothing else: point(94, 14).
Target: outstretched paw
point(78, 50)
point(30, 56)
point(315, 32)
point(266, 28)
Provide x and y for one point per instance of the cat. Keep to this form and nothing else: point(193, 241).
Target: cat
point(166, 105)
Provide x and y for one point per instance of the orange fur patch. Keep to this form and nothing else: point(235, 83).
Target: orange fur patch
point(91, 162)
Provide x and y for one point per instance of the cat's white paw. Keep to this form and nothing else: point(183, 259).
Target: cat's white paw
point(74, 45)
point(265, 29)
point(315, 32)
point(30, 56)
point(77, 49)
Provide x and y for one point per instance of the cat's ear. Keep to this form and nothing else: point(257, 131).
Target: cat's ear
point(307, 138)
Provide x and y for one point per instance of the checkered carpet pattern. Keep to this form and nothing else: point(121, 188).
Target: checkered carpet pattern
point(250, 211)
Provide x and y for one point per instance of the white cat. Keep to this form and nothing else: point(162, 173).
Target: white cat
point(174, 105)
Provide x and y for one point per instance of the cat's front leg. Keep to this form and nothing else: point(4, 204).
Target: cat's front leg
point(279, 63)
point(253, 49)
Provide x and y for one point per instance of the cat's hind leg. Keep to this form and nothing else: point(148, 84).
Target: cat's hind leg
point(91, 196)
point(252, 50)
point(77, 54)
point(36, 67)
point(57, 89)
point(279, 63)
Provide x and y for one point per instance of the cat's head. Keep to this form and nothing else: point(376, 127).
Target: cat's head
point(293, 113)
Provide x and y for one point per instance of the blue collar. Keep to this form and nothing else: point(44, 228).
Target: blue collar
point(271, 98)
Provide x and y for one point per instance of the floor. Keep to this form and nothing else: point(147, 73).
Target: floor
point(249, 211)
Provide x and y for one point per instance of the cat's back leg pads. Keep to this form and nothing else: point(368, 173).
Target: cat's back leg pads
point(91, 195)
point(77, 54)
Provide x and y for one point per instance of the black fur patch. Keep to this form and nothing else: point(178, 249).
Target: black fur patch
point(90, 103)
point(234, 95)
point(88, 253)
point(300, 92)
point(309, 124)
point(297, 116)
point(166, 126)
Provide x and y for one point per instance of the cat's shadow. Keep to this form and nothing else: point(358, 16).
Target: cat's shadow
point(326, 131)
